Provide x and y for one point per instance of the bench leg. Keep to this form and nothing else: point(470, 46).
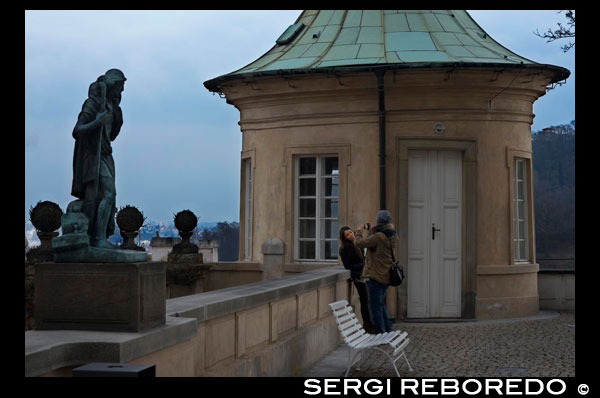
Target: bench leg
point(408, 363)
point(351, 361)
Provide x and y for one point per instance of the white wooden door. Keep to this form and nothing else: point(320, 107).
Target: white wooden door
point(434, 234)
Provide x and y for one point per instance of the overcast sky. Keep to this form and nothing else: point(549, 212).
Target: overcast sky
point(179, 147)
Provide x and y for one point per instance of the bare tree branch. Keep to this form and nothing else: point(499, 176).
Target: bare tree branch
point(562, 32)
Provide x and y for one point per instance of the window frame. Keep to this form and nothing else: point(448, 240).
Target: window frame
point(518, 217)
point(512, 156)
point(245, 251)
point(319, 176)
point(247, 208)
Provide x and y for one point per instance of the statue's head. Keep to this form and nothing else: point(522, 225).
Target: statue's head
point(115, 81)
point(115, 75)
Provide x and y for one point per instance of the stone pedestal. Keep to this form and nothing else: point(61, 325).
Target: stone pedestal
point(42, 253)
point(129, 241)
point(125, 297)
point(185, 274)
point(273, 250)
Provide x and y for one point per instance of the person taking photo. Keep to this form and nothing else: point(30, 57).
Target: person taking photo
point(378, 241)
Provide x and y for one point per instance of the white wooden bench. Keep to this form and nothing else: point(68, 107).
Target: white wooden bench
point(392, 344)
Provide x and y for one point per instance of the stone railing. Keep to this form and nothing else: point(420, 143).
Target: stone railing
point(276, 327)
point(556, 289)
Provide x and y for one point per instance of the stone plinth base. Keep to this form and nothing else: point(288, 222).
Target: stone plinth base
point(99, 255)
point(127, 297)
point(186, 278)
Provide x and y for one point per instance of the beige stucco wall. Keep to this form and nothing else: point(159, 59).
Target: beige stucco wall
point(269, 328)
point(280, 338)
point(318, 114)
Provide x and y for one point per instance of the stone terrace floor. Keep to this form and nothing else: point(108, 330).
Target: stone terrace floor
point(541, 346)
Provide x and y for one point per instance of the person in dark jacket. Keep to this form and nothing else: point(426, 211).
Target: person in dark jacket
point(353, 260)
point(379, 241)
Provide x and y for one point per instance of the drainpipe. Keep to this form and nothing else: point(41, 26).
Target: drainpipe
point(381, 101)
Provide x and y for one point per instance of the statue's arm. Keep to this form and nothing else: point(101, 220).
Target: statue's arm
point(84, 127)
point(117, 122)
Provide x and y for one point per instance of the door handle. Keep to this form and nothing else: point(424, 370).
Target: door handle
point(433, 229)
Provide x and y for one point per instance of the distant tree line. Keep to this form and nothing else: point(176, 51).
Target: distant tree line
point(554, 195)
point(227, 234)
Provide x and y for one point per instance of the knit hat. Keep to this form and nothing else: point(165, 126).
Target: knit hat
point(384, 217)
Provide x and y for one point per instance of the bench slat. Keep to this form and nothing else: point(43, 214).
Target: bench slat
point(398, 339)
point(351, 330)
point(358, 341)
point(346, 325)
point(351, 340)
point(343, 311)
point(345, 318)
point(338, 304)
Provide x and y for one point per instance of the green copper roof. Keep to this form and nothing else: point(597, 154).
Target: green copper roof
point(343, 38)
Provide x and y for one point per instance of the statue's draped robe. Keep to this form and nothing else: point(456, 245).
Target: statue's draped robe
point(85, 160)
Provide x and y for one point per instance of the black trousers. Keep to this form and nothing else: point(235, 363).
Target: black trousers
point(363, 294)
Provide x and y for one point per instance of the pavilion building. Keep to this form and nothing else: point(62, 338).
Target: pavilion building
point(419, 112)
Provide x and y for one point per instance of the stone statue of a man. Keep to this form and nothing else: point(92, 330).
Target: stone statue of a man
point(98, 123)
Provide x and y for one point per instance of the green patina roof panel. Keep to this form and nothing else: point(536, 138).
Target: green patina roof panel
point(370, 35)
point(329, 33)
point(396, 23)
point(424, 56)
point(408, 41)
point(323, 18)
point(371, 18)
point(316, 50)
point(353, 18)
point(342, 52)
point(362, 37)
point(290, 63)
point(347, 36)
point(371, 51)
point(356, 61)
point(445, 39)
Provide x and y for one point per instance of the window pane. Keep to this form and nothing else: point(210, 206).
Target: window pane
point(329, 208)
point(329, 228)
point(307, 228)
point(521, 208)
point(330, 165)
point(521, 189)
point(330, 186)
point(307, 249)
point(522, 232)
point(330, 249)
point(522, 250)
point(308, 187)
point(308, 208)
point(517, 253)
point(308, 166)
point(520, 170)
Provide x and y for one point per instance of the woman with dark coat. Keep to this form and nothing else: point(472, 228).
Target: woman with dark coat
point(354, 260)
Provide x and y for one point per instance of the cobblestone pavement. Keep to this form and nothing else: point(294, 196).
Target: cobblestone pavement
point(519, 348)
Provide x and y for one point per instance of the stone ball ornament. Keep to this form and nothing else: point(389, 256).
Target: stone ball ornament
point(46, 216)
point(185, 221)
point(130, 218)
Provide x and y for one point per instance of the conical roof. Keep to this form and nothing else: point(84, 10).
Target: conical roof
point(321, 40)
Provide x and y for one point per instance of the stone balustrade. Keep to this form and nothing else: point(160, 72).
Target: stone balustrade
point(557, 289)
point(276, 327)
